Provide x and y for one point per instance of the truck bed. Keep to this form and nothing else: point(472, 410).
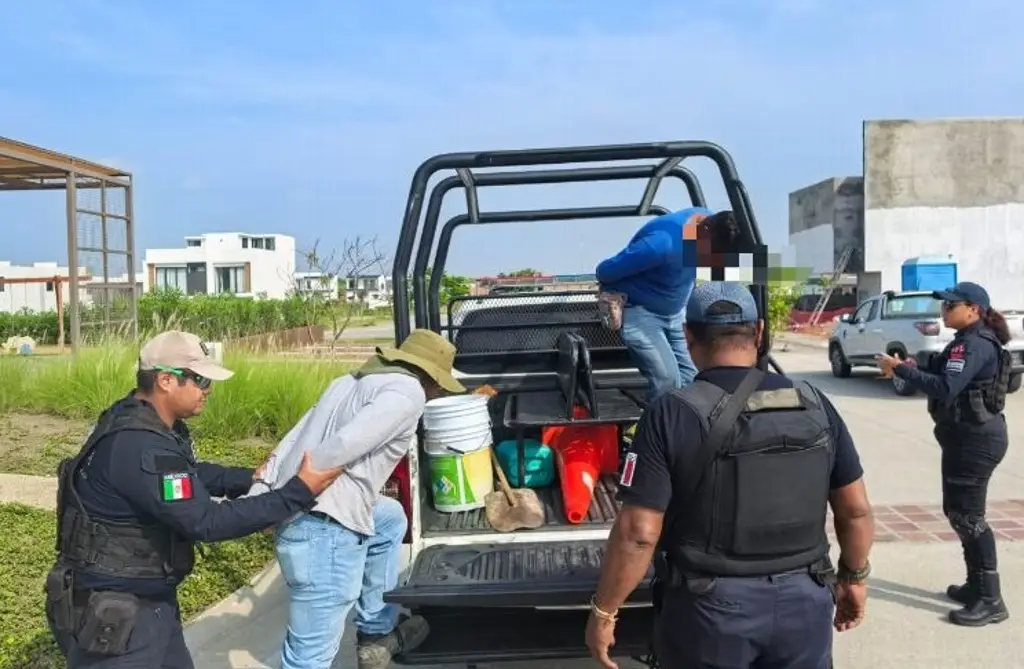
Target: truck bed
point(602, 513)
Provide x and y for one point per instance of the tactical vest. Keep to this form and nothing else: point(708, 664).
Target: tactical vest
point(102, 546)
point(759, 507)
point(981, 400)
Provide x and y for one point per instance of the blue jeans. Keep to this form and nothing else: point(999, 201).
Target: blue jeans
point(330, 569)
point(658, 347)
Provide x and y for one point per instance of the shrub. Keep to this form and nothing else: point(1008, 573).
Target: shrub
point(781, 298)
point(264, 398)
point(213, 317)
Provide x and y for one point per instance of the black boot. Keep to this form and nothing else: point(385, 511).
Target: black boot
point(376, 651)
point(988, 608)
point(971, 589)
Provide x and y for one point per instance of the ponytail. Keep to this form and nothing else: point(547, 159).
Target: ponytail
point(995, 322)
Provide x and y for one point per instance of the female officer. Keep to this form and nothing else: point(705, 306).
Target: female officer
point(966, 387)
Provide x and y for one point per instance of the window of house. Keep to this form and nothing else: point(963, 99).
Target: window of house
point(270, 243)
point(170, 278)
point(49, 286)
point(1, 285)
point(257, 242)
point(245, 242)
point(193, 242)
point(231, 279)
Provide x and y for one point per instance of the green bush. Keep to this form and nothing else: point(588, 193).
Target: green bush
point(215, 317)
point(781, 298)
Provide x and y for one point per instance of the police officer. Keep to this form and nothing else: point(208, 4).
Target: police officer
point(133, 503)
point(726, 486)
point(966, 386)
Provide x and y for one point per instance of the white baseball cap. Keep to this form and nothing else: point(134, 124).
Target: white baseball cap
point(176, 350)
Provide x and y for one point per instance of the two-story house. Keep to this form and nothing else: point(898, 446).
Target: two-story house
point(228, 262)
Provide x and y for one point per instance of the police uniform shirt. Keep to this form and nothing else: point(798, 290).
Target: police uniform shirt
point(967, 358)
point(669, 434)
point(136, 476)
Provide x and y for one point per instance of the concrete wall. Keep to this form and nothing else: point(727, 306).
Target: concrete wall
point(947, 187)
point(824, 219)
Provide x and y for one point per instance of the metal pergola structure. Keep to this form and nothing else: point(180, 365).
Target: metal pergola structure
point(100, 231)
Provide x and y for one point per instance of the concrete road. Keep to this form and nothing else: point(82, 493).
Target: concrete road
point(906, 624)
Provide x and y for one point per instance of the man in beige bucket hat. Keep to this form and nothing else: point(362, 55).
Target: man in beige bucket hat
point(345, 553)
point(132, 504)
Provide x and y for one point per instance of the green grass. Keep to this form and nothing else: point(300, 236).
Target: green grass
point(264, 398)
point(26, 555)
point(244, 417)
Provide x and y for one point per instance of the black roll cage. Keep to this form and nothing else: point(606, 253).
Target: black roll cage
point(671, 154)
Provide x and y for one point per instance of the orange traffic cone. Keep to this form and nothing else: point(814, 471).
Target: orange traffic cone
point(579, 464)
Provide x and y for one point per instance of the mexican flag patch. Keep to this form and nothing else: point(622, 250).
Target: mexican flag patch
point(177, 487)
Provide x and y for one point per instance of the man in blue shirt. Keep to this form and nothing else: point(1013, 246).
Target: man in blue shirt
point(656, 272)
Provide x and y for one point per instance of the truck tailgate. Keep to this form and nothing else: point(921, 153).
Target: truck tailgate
point(537, 574)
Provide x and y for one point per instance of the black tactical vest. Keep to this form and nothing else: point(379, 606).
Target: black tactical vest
point(101, 546)
point(760, 506)
point(981, 400)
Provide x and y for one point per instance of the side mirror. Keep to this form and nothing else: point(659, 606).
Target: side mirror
point(846, 318)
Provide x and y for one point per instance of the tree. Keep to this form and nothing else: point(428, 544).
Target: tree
point(452, 285)
point(525, 272)
point(336, 271)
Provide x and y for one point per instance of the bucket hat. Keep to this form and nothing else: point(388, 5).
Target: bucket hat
point(430, 353)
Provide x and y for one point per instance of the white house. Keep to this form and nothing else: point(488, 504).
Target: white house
point(373, 290)
point(307, 283)
point(34, 287)
point(228, 262)
point(38, 293)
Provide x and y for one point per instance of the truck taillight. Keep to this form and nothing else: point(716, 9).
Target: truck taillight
point(398, 487)
point(928, 328)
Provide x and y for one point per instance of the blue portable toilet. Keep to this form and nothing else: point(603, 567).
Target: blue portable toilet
point(929, 273)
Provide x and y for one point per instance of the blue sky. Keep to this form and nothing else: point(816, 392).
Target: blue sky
point(260, 117)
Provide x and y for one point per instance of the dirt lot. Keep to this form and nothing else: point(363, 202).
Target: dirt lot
point(35, 444)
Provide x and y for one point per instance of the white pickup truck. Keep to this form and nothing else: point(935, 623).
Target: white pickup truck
point(908, 325)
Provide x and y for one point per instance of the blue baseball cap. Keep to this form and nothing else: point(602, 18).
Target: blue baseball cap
point(705, 295)
point(965, 291)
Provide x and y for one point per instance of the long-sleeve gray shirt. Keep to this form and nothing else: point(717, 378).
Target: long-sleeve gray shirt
point(366, 425)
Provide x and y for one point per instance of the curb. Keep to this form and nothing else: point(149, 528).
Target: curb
point(804, 342)
point(39, 492)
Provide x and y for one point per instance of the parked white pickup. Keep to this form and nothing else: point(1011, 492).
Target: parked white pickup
point(908, 325)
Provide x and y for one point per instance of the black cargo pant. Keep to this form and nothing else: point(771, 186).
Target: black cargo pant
point(770, 622)
point(157, 642)
point(970, 453)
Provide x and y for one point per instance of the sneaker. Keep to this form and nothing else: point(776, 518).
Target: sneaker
point(376, 651)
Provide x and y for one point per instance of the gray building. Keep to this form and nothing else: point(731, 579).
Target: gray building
point(930, 188)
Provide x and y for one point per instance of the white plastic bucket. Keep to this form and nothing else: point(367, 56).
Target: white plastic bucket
point(457, 442)
point(457, 411)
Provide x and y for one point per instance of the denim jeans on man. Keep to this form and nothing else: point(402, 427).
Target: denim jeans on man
point(329, 570)
point(658, 347)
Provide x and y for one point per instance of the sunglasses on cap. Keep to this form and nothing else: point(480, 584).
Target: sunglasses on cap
point(201, 382)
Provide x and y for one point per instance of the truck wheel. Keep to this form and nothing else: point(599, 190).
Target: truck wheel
point(840, 368)
point(1014, 384)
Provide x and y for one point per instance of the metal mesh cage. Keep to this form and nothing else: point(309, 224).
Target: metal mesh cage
point(496, 324)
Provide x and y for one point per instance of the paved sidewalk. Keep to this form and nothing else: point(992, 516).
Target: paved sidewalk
point(37, 491)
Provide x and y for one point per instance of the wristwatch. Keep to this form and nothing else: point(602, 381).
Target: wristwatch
point(847, 575)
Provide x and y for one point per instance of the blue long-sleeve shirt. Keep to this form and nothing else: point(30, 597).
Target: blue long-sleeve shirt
point(653, 270)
